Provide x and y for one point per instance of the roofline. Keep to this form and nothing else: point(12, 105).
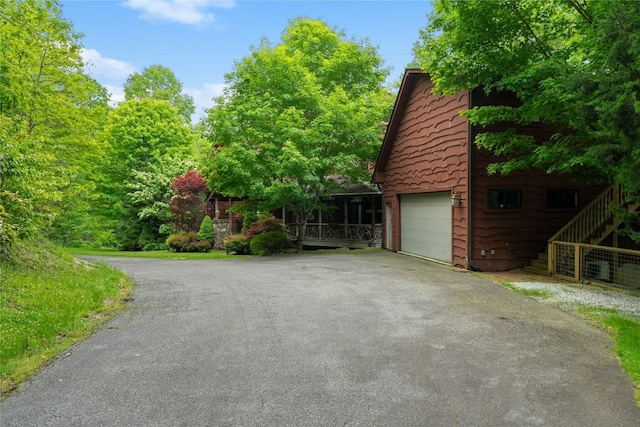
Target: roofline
point(408, 81)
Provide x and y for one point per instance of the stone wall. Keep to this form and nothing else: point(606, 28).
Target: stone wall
point(223, 230)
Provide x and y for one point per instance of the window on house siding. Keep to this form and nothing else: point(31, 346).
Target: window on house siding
point(563, 199)
point(504, 199)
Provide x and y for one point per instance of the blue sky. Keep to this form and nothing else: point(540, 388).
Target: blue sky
point(199, 40)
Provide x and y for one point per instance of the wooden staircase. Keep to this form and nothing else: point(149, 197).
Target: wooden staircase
point(592, 225)
point(539, 266)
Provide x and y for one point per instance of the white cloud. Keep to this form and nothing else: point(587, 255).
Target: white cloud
point(191, 12)
point(203, 97)
point(100, 67)
point(110, 73)
point(116, 94)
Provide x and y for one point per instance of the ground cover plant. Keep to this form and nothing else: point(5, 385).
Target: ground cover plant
point(48, 301)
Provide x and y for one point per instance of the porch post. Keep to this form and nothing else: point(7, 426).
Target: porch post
point(373, 214)
point(577, 262)
point(616, 257)
point(345, 219)
point(373, 221)
point(320, 223)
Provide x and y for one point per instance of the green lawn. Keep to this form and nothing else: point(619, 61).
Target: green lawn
point(150, 254)
point(48, 301)
point(628, 348)
point(626, 332)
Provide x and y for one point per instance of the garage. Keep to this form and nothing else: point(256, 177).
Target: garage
point(425, 225)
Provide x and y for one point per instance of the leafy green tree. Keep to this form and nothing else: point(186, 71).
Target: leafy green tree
point(49, 114)
point(295, 115)
point(142, 137)
point(158, 82)
point(572, 64)
point(149, 193)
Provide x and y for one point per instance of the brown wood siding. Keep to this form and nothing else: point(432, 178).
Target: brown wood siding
point(426, 149)
point(517, 235)
point(429, 154)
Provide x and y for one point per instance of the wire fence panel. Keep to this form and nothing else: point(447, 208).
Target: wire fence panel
point(610, 266)
point(564, 260)
point(598, 264)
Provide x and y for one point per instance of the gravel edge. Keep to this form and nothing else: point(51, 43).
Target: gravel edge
point(576, 295)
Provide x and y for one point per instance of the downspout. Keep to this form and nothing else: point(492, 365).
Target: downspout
point(471, 182)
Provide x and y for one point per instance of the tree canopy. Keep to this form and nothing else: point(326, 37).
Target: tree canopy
point(296, 114)
point(49, 114)
point(159, 82)
point(573, 64)
point(142, 139)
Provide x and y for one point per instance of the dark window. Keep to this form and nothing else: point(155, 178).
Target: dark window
point(562, 199)
point(504, 199)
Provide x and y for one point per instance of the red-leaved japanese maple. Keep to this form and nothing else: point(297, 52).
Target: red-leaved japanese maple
point(188, 205)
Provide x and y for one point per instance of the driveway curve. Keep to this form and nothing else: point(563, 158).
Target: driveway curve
point(369, 339)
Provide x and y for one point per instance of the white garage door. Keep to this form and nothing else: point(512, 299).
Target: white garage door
point(425, 225)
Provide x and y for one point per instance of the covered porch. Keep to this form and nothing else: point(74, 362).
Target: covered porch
point(351, 219)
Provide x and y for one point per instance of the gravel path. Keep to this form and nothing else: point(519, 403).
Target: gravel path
point(575, 294)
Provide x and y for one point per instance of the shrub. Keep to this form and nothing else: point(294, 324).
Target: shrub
point(165, 230)
point(248, 218)
point(271, 242)
point(264, 225)
point(188, 242)
point(238, 244)
point(104, 240)
point(147, 235)
point(155, 247)
point(207, 232)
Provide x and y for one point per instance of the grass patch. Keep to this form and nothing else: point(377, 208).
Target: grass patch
point(626, 333)
point(48, 301)
point(150, 254)
point(537, 293)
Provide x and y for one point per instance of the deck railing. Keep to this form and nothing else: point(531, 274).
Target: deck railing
point(592, 218)
point(595, 222)
point(342, 232)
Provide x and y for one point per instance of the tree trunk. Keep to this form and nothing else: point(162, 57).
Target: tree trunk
point(302, 230)
point(301, 227)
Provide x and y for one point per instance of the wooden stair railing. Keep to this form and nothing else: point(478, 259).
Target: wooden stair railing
point(597, 220)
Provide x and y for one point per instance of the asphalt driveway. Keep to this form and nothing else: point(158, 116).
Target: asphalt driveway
point(373, 339)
